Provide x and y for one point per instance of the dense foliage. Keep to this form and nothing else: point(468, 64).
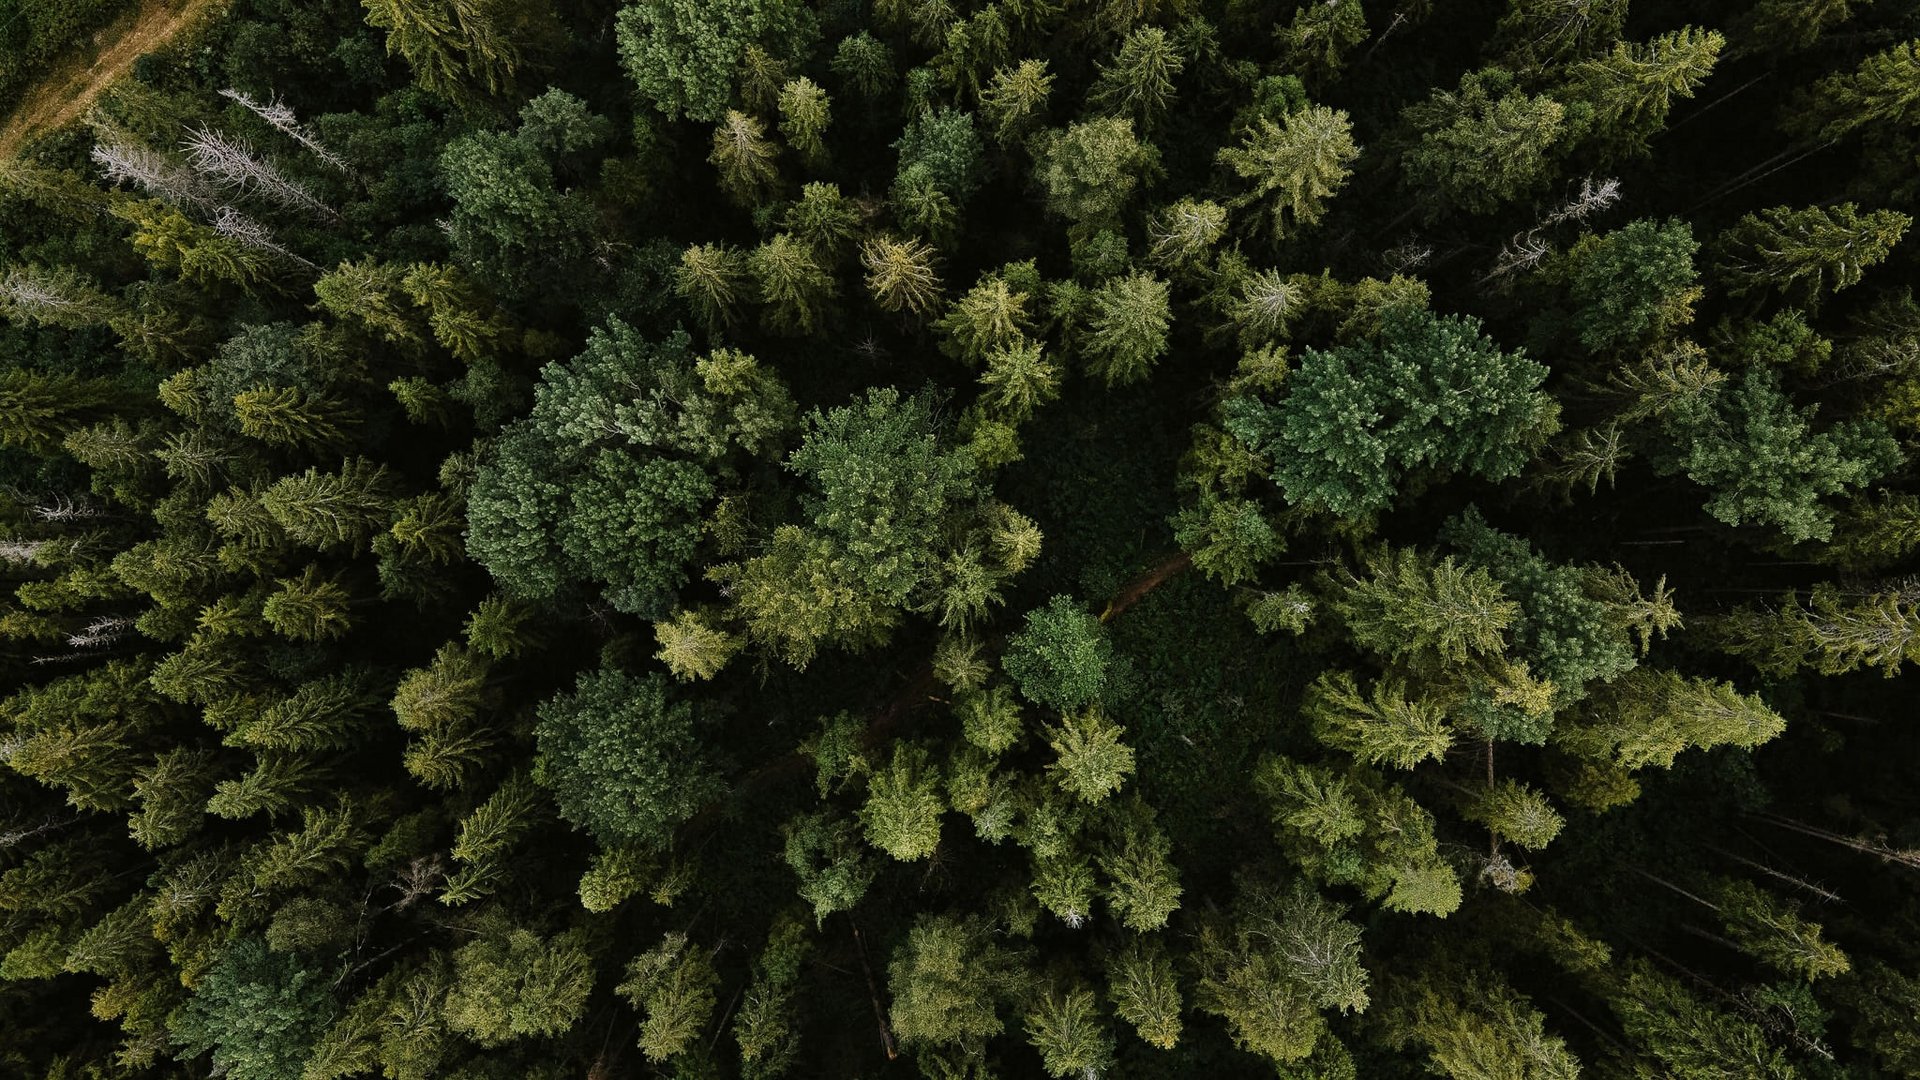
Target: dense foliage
point(965, 538)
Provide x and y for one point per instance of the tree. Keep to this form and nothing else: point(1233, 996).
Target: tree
point(1385, 726)
point(1064, 1026)
point(1772, 930)
point(1411, 604)
point(259, 1012)
point(456, 48)
point(991, 316)
point(1358, 416)
point(623, 759)
point(866, 63)
point(1320, 37)
point(901, 275)
point(681, 54)
point(1014, 104)
point(1293, 167)
point(902, 812)
point(1766, 464)
point(1632, 285)
point(1144, 991)
point(1884, 91)
point(1475, 1025)
point(672, 985)
point(1090, 170)
point(311, 607)
point(1484, 145)
point(37, 411)
point(329, 510)
point(826, 853)
point(1805, 253)
point(746, 159)
point(805, 113)
point(1062, 658)
point(1632, 87)
point(1648, 717)
point(1090, 761)
point(1138, 82)
point(513, 984)
point(947, 980)
point(797, 294)
point(943, 148)
point(1126, 330)
point(1692, 1039)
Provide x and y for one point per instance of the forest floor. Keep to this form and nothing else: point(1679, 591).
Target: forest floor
point(70, 88)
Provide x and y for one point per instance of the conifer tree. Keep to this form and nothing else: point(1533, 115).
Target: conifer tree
point(901, 275)
point(672, 986)
point(1806, 253)
point(1883, 91)
point(1126, 332)
point(1014, 103)
point(745, 158)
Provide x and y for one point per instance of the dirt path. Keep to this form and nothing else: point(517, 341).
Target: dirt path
point(71, 88)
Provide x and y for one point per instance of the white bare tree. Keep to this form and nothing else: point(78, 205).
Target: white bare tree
point(231, 164)
point(235, 225)
point(281, 119)
point(125, 160)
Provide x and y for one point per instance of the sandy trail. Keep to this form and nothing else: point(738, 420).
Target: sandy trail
point(73, 85)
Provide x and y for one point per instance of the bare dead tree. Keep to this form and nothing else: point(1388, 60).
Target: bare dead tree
point(101, 632)
point(126, 161)
point(235, 225)
point(231, 164)
point(281, 119)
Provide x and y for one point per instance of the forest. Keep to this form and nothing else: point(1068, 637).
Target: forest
point(965, 539)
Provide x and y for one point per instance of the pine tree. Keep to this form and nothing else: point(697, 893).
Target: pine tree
point(512, 984)
point(1144, 991)
point(901, 274)
point(866, 63)
point(1064, 1026)
point(1632, 88)
point(311, 607)
point(332, 509)
point(1411, 604)
point(1090, 171)
point(1883, 92)
point(1293, 168)
point(1127, 328)
point(745, 158)
point(1014, 104)
point(1484, 145)
point(947, 980)
point(672, 985)
point(1138, 82)
point(1806, 253)
point(990, 316)
point(457, 48)
point(709, 277)
point(1321, 36)
point(797, 293)
point(903, 807)
point(1382, 727)
point(805, 114)
point(1772, 930)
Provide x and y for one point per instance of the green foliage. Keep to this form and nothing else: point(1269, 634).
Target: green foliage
point(1294, 167)
point(1633, 284)
point(1430, 392)
point(514, 984)
point(1090, 170)
point(623, 759)
point(681, 54)
point(258, 1012)
point(672, 986)
point(1062, 658)
point(1765, 463)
